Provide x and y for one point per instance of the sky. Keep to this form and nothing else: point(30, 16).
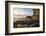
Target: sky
point(23, 11)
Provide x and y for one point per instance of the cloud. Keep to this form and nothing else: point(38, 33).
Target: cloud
point(23, 11)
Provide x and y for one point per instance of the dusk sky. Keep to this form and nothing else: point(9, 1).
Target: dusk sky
point(23, 11)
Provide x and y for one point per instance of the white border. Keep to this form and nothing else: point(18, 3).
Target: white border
point(31, 29)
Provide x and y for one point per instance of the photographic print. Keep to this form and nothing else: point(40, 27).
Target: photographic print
point(24, 17)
